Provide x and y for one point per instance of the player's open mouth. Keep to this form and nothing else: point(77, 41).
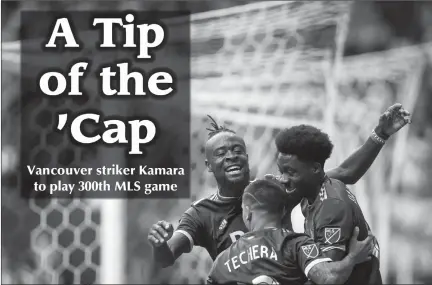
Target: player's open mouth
point(233, 169)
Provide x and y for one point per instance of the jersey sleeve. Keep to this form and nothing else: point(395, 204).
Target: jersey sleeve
point(192, 225)
point(306, 253)
point(333, 227)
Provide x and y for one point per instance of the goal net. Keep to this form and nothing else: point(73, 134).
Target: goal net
point(256, 68)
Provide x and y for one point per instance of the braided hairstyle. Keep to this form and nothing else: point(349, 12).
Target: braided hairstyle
point(216, 128)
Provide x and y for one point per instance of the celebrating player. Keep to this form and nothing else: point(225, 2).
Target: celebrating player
point(270, 254)
point(215, 222)
point(330, 209)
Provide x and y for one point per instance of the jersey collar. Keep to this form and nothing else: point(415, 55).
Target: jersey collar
point(227, 199)
point(322, 195)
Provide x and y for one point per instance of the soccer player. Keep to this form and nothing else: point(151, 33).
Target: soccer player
point(270, 254)
point(216, 222)
point(330, 209)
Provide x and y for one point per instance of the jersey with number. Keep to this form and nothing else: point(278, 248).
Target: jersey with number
point(331, 220)
point(268, 256)
point(215, 223)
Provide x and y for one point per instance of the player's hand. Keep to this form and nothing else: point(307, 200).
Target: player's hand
point(160, 233)
point(393, 119)
point(360, 251)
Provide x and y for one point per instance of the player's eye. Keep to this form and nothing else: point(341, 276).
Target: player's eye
point(238, 150)
point(287, 172)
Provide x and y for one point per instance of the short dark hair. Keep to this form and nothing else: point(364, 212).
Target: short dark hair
point(306, 142)
point(217, 128)
point(265, 195)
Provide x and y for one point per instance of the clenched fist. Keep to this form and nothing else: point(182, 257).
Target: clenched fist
point(160, 233)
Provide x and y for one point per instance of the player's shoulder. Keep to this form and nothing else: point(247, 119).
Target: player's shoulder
point(199, 210)
point(199, 204)
point(291, 235)
point(333, 197)
point(203, 202)
point(281, 235)
point(333, 208)
point(218, 264)
point(209, 204)
point(291, 240)
point(336, 190)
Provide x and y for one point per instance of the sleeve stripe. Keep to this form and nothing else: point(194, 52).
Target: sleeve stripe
point(315, 262)
point(191, 241)
point(324, 249)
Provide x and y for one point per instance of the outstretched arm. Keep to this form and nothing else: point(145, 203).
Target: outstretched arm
point(168, 244)
point(168, 251)
point(356, 165)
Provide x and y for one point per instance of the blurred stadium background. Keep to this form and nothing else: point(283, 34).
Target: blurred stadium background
point(257, 67)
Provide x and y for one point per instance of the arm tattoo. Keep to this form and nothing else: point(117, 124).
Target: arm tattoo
point(331, 272)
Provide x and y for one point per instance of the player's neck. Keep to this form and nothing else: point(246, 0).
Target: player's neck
point(232, 191)
point(229, 195)
point(265, 223)
point(315, 192)
point(313, 195)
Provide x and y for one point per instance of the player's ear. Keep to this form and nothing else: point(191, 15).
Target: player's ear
point(209, 169)
point(248, 214)
point(316, 167)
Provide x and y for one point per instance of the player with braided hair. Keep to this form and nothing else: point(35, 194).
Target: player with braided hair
point(272, 254)
point(216, 222)
point(216, 128)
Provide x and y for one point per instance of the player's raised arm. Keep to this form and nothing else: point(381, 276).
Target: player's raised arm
point(356, 165)
point(168, 244)
point(325, 271)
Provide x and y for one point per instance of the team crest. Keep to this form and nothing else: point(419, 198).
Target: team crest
point(311, 250)
point(332, 235)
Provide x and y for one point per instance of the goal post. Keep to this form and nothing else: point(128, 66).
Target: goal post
point(113, 226)
point(113, 241)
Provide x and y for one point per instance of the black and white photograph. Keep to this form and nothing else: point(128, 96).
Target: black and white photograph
point(216, 142)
